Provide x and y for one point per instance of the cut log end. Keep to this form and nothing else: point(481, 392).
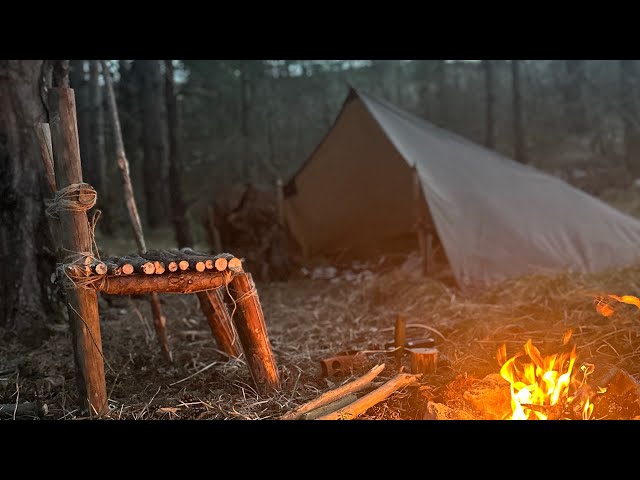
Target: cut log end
point(127, 269)
point(172, 266)
point(235, 264)
point(148, 268)
point(424, 360)
point(100, 268)
point(221, 264)
point(200, 266)
point(183, 265)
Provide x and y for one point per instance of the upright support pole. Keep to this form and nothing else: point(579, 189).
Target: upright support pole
point(418, 200)
point(252, 332)
point(219, 320)
point(82, 303)
point(280, 201)
point(400, 339)
point(159, 320)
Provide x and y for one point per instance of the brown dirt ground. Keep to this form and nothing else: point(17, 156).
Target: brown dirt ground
point(309, 320)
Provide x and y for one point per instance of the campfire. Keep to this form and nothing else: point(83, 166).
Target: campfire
point(544, 387)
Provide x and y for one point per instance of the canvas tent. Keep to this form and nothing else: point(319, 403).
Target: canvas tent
point(495, 218)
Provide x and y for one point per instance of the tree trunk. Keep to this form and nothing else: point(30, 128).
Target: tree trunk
point(178, 206)
point(574, 107)
point(155, 171)
point(26, 248)
point(489, 103)
point(629, 112)
point(519, 151)
point(97, 156)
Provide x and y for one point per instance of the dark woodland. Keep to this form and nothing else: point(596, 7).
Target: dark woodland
point(184, 163)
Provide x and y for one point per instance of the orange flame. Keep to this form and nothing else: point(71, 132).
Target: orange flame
point(541, 383)
point(606, 310)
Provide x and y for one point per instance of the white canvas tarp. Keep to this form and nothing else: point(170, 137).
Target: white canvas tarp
point(495, 217)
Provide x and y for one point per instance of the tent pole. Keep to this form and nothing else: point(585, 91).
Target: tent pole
point(424, 241)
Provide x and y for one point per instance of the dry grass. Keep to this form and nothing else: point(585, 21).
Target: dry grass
point(311, 320)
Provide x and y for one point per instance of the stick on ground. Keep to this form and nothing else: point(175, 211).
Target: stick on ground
point(360, 406)
point(335, 394)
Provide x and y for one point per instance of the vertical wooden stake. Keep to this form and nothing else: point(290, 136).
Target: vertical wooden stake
point(252, 331)
point(400, 339)
point(420, 226)
point(219, 319)
point(280, 201)
point(82, 303)
point(159, 321)
point(430, 261)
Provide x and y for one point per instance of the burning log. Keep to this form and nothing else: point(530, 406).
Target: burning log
point(360, 406)
point(335, 394)
point(179, 282)
point(423, 360)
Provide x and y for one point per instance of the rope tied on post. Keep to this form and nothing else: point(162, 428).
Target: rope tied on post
point(76, 197)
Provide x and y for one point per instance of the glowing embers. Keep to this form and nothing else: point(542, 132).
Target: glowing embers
point(543, 387)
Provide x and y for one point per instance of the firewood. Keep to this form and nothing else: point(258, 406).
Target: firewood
point(135, 264)
point(332, 407)
point(423, 360)
point(335, 394)
point(360, 406)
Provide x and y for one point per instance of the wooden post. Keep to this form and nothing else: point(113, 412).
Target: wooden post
point(430, 261)
point(400, 339)
point(420, 220)
point(82, 304)
point(219, 320)
point(280, 201)
point(159, 321)
point(424, 360)
point(252, 331)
